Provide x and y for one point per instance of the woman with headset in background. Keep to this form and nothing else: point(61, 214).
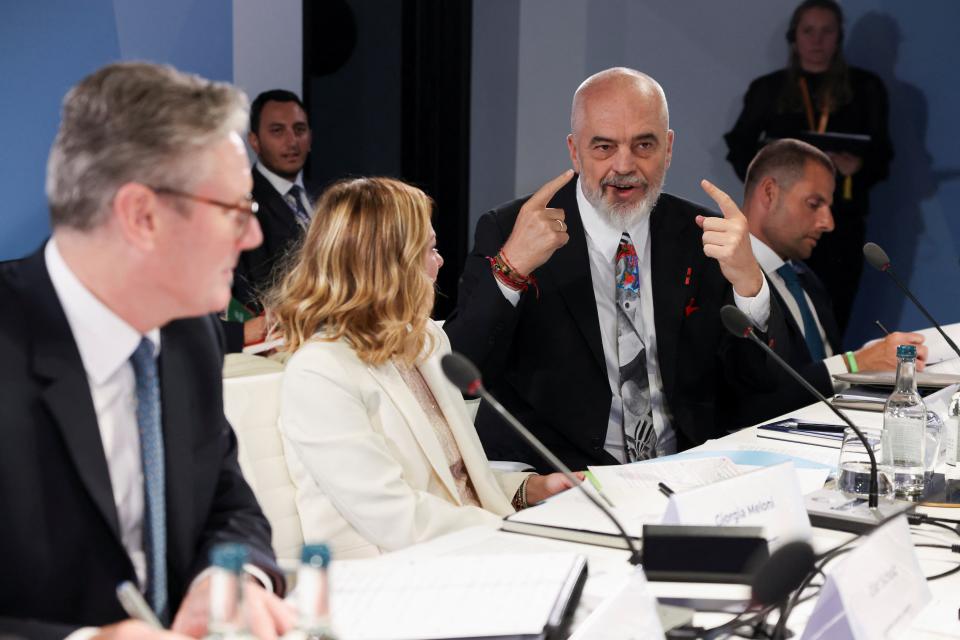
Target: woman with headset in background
point(818, 92)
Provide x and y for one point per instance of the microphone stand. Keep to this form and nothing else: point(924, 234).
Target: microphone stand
point(466, 377)
point(737, 323)
point(556, 463)
point(877, 258)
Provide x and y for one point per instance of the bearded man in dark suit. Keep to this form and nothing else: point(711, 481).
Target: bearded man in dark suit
point(592, 307)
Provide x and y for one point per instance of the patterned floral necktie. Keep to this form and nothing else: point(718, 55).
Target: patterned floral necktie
point(639, 435)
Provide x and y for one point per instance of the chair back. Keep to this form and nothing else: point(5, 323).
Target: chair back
point(252, 405)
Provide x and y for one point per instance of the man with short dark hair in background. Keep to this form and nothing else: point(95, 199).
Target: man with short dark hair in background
point(117, 463)
point(788, 193)
point(280, 136)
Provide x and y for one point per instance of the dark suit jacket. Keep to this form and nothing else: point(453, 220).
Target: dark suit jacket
point(60, 550)
point(786, 338)
point(281, 234)
point(544, 359)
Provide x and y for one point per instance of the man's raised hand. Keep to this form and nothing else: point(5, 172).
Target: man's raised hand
point(727, 240)
point(538, 231)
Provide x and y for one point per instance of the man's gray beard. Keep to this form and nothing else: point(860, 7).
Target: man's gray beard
point(623, 217)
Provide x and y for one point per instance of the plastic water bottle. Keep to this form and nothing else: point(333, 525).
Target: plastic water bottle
point(313, 595)
point(227, 614)
point(903, 439)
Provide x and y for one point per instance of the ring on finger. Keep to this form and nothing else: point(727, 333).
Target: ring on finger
point(563, 225)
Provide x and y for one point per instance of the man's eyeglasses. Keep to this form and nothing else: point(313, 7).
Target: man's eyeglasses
point(245, 210)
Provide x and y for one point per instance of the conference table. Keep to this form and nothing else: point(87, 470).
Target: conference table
point(609, 569)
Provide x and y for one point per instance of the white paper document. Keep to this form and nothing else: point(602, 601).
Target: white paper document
point(447, 597)
point(626, 479)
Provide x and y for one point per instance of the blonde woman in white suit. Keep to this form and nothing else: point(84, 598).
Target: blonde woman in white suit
point(378, 443)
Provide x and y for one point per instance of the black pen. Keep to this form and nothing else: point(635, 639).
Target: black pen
point(882, 328)
point(664, 489)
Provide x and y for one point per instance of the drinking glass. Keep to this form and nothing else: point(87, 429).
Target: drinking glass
point(853, 476)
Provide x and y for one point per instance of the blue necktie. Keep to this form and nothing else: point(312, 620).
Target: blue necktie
point(295, 202)
point(151, 452)
point(810, 331)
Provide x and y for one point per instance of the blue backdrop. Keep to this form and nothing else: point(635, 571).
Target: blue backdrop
point(46, 46)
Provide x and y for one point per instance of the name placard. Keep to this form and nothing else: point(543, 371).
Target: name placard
point(768, 498)
point(874, 592)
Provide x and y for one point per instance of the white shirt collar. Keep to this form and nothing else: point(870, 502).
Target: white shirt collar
point(767, 258)
point(104, 339)
point(282, 185)
point(606, 237)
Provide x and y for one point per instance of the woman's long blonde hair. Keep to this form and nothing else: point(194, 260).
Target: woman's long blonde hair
point(360, 273)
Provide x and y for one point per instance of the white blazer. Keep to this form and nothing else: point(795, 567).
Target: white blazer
point(361, 452)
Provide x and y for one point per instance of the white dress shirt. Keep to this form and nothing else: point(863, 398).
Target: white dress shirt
point(602, 242)
point(106, 342)
point(770, 262)
point(282, 185)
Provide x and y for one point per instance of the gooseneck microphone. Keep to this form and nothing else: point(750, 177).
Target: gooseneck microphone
point(739, 324)
point(879, 260)
point(783, 572)
point(466, 377)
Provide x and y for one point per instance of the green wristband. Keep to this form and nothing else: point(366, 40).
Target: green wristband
point(851, 362)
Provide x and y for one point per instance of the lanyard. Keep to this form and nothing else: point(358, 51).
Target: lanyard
point(822, 127)
point(808, 107)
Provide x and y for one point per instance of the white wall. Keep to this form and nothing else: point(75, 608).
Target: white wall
point(703, 52)
point(268, 45)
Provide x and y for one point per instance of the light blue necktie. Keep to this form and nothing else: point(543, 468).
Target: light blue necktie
point(810, 331)
point(151, 453)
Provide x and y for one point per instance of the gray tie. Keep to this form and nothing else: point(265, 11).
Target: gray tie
point(295, 202)
point(151, 451)
point(639, 435)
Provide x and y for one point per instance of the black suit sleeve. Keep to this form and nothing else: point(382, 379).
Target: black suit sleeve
point(233, 332)
point(14, 629)
point(769, 391)
point(482, 325)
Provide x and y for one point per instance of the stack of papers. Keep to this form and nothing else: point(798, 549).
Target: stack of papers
point(636, 501)
point(633, 490)
point(454, 597)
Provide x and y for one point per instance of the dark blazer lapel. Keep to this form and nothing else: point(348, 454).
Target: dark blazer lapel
point(178, 443)
point(795, 333)
point(273, 204)
point(569, 270)
point(822, 305)
point(67, 397)
point(676, 262)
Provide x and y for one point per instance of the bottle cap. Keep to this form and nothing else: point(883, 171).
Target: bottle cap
point(230, 556)
point(907, 351)
point(316, 555)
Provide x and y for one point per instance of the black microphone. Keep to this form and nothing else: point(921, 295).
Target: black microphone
point(739, 324)
point(782, 573)
point(878, 259)
point(466, 377)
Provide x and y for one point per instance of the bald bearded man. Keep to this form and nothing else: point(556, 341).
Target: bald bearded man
point(592, 307)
